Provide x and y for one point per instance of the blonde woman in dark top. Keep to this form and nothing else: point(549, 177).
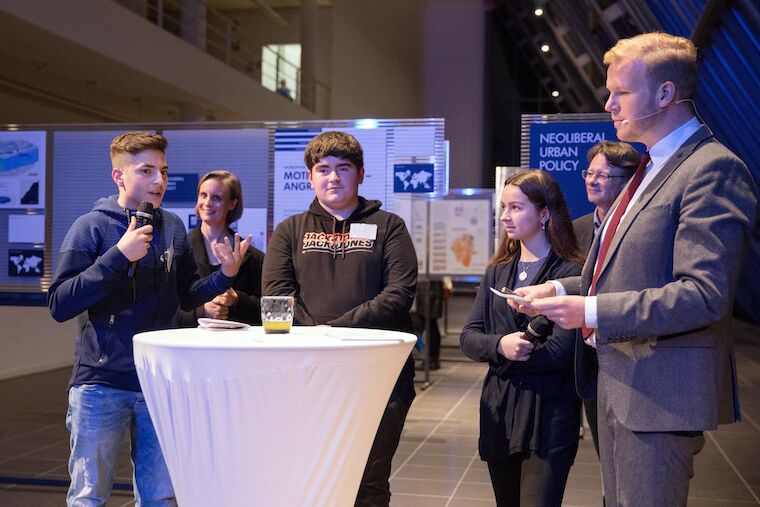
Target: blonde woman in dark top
point(529, 410)
point(220, 203)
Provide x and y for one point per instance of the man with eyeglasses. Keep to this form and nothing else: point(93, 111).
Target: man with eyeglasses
point(610, 167)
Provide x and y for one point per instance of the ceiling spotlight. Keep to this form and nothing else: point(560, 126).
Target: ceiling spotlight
point(555, 93)
point(545, 48)
point(539, 12)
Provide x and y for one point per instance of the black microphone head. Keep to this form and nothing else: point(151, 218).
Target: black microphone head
point(146, 207)
point(143, 216)
point(145, 212)
point(540, 327)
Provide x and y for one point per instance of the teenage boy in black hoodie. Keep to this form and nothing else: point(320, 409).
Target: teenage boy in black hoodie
point(92, 282)
point(349, 264)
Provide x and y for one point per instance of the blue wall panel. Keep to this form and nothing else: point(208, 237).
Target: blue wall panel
point(675, 17)
point(728, 89)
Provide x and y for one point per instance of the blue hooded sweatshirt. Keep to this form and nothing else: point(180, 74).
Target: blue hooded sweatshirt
point(91, 282)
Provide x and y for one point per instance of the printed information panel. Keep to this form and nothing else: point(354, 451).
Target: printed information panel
point(292, 190)
point(415, 214)
point(22, 169)
point(459, 236)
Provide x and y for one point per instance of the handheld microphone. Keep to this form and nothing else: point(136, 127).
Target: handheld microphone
point(629, 120)
point(144, 216)
point(537, 331)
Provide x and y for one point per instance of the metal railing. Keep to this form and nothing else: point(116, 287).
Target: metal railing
point(276, 68)
point(223, 38)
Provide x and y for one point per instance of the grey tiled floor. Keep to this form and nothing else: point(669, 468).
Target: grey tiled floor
point(436, 464)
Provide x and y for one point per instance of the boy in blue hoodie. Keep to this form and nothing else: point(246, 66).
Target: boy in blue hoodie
point(92, 283)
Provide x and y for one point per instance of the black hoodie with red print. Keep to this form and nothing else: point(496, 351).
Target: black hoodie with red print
point(358, 272)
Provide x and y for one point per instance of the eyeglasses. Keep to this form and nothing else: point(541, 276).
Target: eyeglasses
point(600, 177)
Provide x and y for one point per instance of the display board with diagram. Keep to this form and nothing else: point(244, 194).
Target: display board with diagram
point(51, 176)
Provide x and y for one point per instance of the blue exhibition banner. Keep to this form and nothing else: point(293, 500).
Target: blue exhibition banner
point(560, 148)
point(182, 188)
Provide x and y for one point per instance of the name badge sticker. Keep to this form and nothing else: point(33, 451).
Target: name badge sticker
point(362, 231)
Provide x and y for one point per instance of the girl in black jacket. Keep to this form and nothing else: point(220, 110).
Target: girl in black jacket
point(529, 411)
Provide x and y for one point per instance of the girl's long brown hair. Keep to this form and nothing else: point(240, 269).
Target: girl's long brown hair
point(544, 192)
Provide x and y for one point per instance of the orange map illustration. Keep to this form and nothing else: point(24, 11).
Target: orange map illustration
point(464, 248)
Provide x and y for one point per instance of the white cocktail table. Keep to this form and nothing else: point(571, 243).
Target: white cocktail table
point(245, 418)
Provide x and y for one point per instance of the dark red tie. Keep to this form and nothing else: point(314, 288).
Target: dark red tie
point(638, 176)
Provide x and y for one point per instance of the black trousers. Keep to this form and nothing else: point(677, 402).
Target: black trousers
point(434, 338)
point(535, 482)
point(589, 406)
point(374, 489)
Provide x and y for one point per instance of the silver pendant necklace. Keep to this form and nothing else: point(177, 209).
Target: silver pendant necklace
point(525, 267)
point(524, 273)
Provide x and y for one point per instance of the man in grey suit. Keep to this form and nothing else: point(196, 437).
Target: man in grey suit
point(656, 292)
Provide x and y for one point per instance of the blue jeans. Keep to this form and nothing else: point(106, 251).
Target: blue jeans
point(99, 418)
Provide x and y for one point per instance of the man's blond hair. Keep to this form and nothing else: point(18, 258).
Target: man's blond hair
point(136, 141)
point(666, 57)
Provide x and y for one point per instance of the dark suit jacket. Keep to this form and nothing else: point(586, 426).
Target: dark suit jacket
point(585, 355)
point(664, 297)
point(584, 232)
point(247, 283)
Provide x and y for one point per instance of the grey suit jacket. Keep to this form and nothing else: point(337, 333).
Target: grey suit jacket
point(664, 297)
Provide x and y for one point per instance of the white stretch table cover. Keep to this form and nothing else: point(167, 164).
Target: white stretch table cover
point(245, 418)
